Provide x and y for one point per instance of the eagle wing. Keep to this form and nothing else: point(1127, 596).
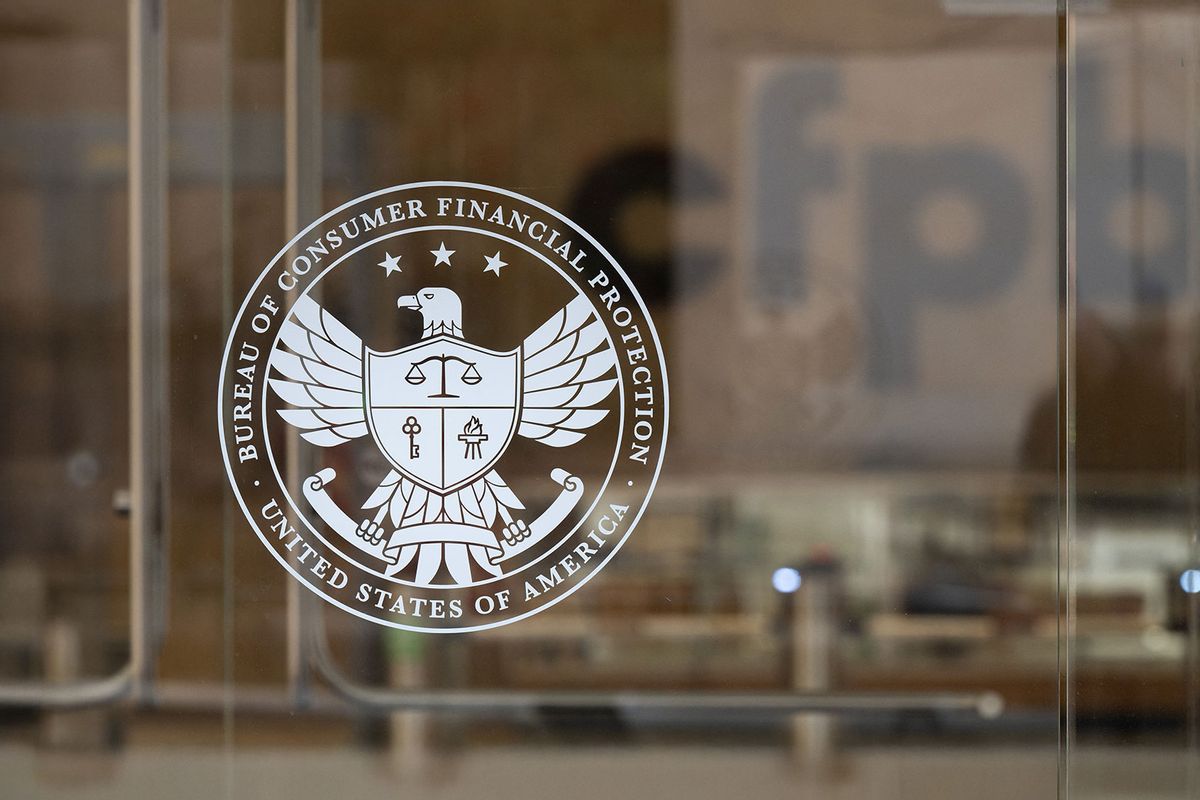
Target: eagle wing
point(567, 363)
point(321, 373)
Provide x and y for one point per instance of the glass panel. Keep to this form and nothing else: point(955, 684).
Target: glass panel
point(1133, 685)
point(843, 218)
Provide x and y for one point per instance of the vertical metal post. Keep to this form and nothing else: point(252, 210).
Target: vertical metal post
point(814, 630)
point(149, 445)
point(303, 190)
point(228, 509)
point(1191, 407)
point(1067, 297)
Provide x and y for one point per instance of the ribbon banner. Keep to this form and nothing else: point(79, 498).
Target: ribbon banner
point(444, 532)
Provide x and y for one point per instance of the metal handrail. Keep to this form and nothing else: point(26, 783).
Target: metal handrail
point(147, 370)
point(986, 705)
point(74, 695)
point(302, 179)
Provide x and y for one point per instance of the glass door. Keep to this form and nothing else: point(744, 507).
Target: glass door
point(908, 297)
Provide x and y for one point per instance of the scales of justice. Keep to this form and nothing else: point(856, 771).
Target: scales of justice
point(472, 436)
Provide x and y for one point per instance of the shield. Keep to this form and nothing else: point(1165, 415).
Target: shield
point(442, 411)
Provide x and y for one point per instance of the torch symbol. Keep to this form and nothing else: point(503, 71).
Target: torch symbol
point(473, 436)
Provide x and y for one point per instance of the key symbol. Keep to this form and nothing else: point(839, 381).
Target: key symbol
point(411, 429)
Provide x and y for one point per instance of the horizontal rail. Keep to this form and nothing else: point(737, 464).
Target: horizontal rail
point(987, 705)
point(84, 694)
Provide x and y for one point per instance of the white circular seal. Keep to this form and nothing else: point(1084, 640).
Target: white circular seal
point(471, 398)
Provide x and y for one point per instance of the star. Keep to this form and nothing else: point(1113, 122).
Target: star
point(391, 263)
point(494, 264)
point(442, 255)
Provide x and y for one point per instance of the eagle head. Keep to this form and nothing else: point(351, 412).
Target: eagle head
point(440, 308)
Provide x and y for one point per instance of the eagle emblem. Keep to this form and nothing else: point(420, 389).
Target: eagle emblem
point(442, 411)
point(508, 464)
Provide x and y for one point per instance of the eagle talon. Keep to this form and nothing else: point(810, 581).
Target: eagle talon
point(371, 531)
point(515, 532)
